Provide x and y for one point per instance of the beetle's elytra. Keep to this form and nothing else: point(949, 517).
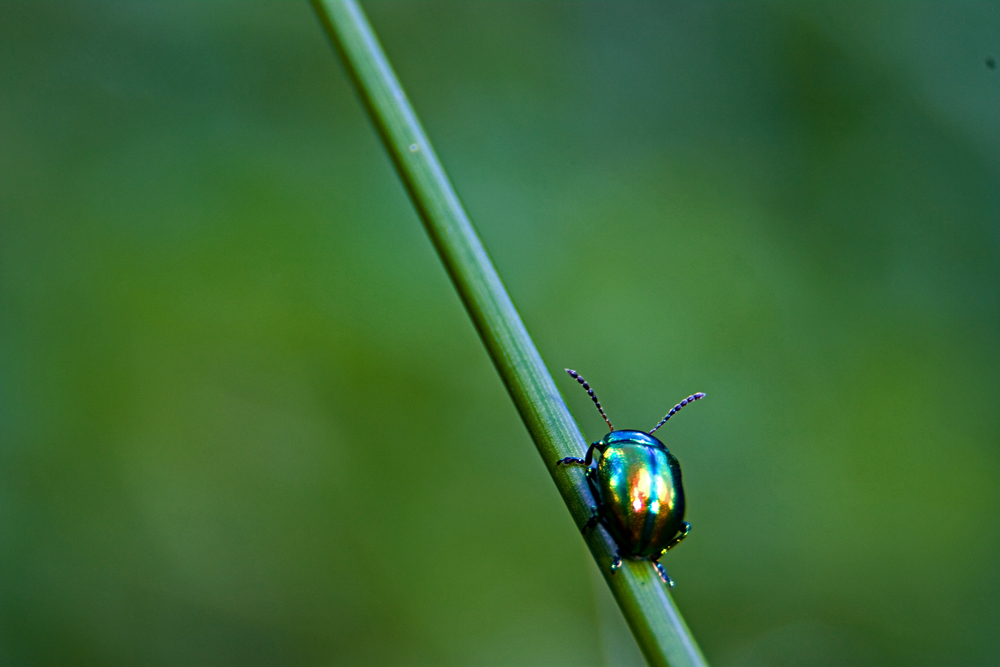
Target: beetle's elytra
point(637, 487)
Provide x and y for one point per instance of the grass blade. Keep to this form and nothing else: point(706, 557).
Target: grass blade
point(658, 627)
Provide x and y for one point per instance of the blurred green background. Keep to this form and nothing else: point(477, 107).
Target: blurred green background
point(244, 419)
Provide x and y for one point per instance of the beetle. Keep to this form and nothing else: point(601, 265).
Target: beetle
point(636, 484)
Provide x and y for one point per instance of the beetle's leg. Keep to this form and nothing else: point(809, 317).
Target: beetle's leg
point(685, 529)
point(573, 460)
point(598, 512)
point(617, 562)
point(580, 462)
point(595, 493)
point(663, 574)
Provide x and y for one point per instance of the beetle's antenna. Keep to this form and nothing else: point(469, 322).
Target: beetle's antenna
point(690, 399)
point(576, 376)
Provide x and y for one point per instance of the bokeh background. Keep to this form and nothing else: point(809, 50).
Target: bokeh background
point(245, 420)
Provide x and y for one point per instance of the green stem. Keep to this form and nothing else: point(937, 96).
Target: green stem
point(650, 611)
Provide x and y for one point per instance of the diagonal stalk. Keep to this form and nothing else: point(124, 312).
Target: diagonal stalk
point(658, 627)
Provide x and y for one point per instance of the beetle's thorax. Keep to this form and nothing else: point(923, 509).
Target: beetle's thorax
point(632, 437)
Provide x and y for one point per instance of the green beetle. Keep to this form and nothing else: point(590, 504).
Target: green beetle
point(637, 487)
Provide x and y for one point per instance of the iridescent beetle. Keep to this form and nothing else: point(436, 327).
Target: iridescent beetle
point(637, 487)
